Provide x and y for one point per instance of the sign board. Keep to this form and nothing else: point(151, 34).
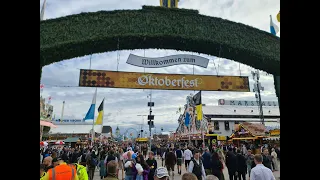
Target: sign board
point(137, 80)
point(223, 102)
point(275, 132)
point(159, 62)
point(142, 139)
point(69, 120)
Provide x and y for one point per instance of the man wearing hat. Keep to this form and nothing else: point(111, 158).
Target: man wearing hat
point(161, 173)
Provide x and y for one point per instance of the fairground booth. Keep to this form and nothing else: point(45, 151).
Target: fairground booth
point(248, 133)
point(273, 137)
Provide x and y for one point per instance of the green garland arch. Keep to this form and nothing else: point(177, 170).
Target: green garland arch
point(157, 27)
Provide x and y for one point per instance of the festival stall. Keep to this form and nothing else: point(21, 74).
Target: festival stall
point(141, 140)
point(72, 141)
point(251, 133)
point(273, 137)
point(44, 122)
point(215, 139)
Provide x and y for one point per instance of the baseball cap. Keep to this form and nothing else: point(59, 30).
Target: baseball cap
point(161, 172)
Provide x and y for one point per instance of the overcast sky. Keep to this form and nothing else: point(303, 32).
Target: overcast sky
point(123, 105)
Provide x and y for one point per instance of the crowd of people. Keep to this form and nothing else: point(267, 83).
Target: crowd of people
point(135, 162)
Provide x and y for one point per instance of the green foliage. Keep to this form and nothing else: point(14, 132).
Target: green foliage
point(159, 28)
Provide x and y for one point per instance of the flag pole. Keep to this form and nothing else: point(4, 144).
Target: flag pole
point(189, 134)
point(62, 112)
point(42, 10)
point(103, 112)
point(93, 133)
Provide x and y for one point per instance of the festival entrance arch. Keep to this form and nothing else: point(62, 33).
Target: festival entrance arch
point(161, 28)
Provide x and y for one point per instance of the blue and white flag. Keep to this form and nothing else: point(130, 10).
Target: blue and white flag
point(274, 29)
point(90, 113)
point(187, 119)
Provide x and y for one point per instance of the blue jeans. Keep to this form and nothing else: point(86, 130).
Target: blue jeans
point(139, 177)
point(128, 177)
point(249, 169)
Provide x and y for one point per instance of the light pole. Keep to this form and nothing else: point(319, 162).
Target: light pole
point(257, 87)
point(141, 128)
point(150, 117)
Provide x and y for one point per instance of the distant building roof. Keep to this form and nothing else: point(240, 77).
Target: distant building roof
point(71, 139)
point(75, 129)
point(240, 110)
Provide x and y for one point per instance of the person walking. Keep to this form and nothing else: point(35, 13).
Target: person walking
point(161, 173)
point(187, 157)
point(249, 161)
point(152, 163)
point(207, 161)
point(216, 165)
point(92, 162)
point(266, 158)
point(112, 170)
point(179, 155)
point(81, 171)
point(129, 167)
point(144, 172)
point(196, 166)
point(231, 163)
point(170, 161)
point(110, 157)
point(260, 172)
point(241, 165)
point(61, 171)
point(274, 159)
point(102, 166)
point(121, 162)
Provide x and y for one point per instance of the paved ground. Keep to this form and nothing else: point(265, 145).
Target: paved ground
point(178, 177)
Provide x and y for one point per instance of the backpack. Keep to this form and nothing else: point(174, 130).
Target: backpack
point(93, 162)
point(83, 158)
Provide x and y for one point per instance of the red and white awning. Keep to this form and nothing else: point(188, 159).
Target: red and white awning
point(43, 143)
point(46, 123)
point(59, 142)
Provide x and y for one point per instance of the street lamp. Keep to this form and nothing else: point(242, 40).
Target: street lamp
point(257, 87)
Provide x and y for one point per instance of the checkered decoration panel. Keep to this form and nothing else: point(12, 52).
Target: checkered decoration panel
point(94, 78)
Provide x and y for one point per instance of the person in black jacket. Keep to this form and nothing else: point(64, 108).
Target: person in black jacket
point(231, 163)
point(206, 159)
point(110, 157)
point(241, 165)
point(266, 158)
point(216, 165)
point(152, 163)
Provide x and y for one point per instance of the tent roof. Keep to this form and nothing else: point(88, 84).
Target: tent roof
point(71, 139)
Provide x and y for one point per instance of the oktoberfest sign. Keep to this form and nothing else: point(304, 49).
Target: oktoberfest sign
point(159, 62)
point(136, 80)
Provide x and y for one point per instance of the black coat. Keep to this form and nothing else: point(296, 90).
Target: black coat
point(74, 157)
point(216, 167)
point(266, 161)
point(231, 161)
point(241, 163)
